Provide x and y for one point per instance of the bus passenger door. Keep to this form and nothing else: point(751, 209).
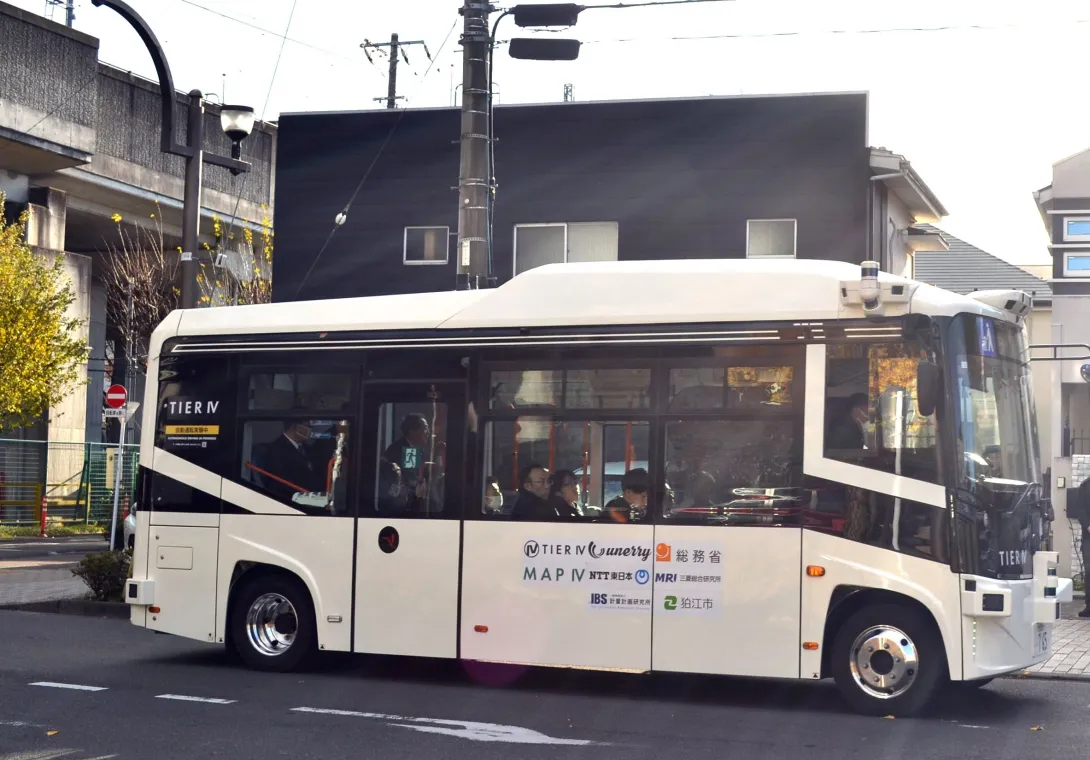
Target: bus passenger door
point(728, 550)
point(408, 532)
point(569, 587)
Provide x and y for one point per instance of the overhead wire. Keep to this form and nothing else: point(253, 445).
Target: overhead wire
point(264, 108)
point(342, 216)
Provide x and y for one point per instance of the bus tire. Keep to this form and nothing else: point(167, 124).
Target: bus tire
point(272, 623)
point(888, 659)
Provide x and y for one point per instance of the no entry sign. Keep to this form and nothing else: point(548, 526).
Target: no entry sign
point(116, 396)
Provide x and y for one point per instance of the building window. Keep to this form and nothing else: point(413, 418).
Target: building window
point(1077, 265)
point(770, 238)
point(426, 245)
point(1077, 229)
point(558, 243)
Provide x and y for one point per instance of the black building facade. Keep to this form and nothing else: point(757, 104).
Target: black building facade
point(629, 180)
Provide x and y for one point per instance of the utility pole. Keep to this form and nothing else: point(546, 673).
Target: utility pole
point(396, 47)
point(474, 183)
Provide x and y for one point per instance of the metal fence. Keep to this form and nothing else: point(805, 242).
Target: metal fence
point(76, 480)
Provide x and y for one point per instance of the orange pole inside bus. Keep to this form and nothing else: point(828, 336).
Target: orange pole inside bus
point(552, 447)
point(628, 447)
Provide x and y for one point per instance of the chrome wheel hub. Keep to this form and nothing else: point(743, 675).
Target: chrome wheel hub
point(271, 624)
point(884, 662)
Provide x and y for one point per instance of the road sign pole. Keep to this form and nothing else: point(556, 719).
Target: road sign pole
point(119, 461)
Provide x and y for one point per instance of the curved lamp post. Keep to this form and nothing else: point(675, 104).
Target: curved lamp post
point(237, 123)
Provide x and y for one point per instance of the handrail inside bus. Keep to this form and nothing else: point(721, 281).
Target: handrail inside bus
point(278, 479)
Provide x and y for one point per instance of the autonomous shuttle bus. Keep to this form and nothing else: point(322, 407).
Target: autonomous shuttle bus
point(789, 469)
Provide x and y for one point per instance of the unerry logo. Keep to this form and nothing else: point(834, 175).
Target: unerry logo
point(670, 603)
point(663, 553)
point(531, 549)
point(642, 577)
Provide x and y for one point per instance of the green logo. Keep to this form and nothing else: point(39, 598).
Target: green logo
point(670, 603)
point(410, 458)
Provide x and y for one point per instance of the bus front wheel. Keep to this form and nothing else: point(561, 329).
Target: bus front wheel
point(888, 659)
point(272, 623)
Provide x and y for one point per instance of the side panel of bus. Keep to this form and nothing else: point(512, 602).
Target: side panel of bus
point(557, 594)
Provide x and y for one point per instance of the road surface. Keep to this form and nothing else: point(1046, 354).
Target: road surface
point(109, 690)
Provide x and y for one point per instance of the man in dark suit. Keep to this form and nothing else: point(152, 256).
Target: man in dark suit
point(287, 458)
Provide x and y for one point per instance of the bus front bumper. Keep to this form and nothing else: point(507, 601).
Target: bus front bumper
point(1007, 625)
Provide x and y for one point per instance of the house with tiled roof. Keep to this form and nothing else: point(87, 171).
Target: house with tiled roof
point(951, 263)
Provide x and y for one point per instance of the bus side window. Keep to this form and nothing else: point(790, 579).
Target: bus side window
point(410, 462)
point(297, 438)
point(545, 470)
point(196, 410)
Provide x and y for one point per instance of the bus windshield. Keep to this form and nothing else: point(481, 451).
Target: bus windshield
point(998, 468)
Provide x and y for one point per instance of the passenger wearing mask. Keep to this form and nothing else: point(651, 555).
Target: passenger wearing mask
point(532, 503)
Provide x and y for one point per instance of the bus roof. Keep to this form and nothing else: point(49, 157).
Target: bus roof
point(593, 293)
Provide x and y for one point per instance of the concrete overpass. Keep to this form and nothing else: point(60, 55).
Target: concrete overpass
point(80, 142)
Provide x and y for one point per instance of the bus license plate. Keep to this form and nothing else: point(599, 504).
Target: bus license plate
point(1040, 639)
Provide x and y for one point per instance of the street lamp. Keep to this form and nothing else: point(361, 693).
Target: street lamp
point(237, 123)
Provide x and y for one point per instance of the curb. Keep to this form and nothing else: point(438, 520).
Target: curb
point(1037, 676)
point(80, 607)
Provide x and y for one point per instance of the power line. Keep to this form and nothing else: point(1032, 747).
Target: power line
point(263, 30)
point(264, 108)
point(342, 217)
point(800, 33)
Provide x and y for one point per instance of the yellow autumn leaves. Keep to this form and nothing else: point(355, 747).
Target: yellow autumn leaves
point(40, 349)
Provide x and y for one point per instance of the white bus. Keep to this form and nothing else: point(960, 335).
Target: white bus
point(785, 469)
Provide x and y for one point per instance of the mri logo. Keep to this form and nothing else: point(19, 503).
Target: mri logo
point(642, 577)
point(665, 577)
point(663, 553)
point(670, 603)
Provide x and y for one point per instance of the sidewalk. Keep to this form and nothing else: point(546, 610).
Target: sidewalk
point(23, 585)
point(1070, 646)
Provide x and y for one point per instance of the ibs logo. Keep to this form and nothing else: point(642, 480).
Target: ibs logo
point(599, 599)
point(642, 577)
point(663, 553)
point(670, 603)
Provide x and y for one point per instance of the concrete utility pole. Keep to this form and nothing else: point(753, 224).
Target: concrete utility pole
point(396, 47)
point(473, 180)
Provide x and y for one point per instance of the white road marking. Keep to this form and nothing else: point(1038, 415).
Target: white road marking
point(462, 729)
point(970, 725)
point(46, 754)
point(183, 698)
point(16, 723)
point(74, 686)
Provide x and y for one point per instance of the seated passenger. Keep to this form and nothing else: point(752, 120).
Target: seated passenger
point(632, 503)
point(564, 495)
point(531, 502)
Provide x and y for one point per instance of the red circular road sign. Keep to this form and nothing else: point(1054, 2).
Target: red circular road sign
point(116, 396)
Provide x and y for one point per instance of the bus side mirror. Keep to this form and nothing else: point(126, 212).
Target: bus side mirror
point(928, 387)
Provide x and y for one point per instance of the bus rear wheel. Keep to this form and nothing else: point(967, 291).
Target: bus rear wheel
point(888, 660)
point(272, 623)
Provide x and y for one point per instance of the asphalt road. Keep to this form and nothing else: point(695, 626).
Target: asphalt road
point(135, 692)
